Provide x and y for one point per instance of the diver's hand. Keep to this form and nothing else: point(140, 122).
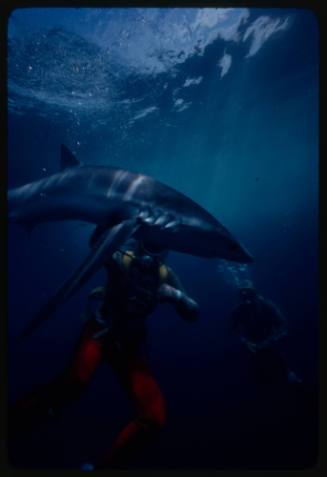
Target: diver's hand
point(253, 347)
point(159, 219)
point(188, 309)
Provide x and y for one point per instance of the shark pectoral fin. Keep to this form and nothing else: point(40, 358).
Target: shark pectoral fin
point(106, 246)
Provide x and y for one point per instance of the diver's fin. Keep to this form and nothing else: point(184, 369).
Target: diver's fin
point(67, 158)
point(107, 244)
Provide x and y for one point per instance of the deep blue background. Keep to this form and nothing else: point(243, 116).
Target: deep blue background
point(246, 148)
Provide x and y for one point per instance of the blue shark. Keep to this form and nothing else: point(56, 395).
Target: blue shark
point(122, 204)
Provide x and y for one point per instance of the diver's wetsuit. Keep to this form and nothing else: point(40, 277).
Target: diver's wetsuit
point(259, 319)
point(117, 332)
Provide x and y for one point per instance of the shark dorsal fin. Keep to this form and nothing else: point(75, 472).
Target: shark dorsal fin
point(67, 158)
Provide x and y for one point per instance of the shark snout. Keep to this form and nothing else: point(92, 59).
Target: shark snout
point(242, 255)
point(236, 252)
point(246, 256)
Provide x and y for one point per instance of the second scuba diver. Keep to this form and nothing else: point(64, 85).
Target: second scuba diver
point(262, 328)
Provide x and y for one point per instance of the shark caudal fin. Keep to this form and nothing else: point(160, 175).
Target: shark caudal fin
point(67, 158)
point(107, 244)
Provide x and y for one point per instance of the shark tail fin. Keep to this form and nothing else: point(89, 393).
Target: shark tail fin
point(67, 158)
point(108, 243)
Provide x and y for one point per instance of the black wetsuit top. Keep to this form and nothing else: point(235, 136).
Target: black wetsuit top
point(258, 320)
point(131, 294)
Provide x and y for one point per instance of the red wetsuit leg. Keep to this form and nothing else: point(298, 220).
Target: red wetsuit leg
point(134, 375)
point(65, 387)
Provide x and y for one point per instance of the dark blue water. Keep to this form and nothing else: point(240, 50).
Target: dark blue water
point(223, 106)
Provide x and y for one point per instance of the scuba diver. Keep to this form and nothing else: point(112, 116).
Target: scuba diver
point(263, 328)
point(115, 331)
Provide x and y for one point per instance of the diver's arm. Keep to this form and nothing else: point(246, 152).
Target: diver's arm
point(173, 280)
point(184, 305)
point(172, 291)
point(274, 338)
